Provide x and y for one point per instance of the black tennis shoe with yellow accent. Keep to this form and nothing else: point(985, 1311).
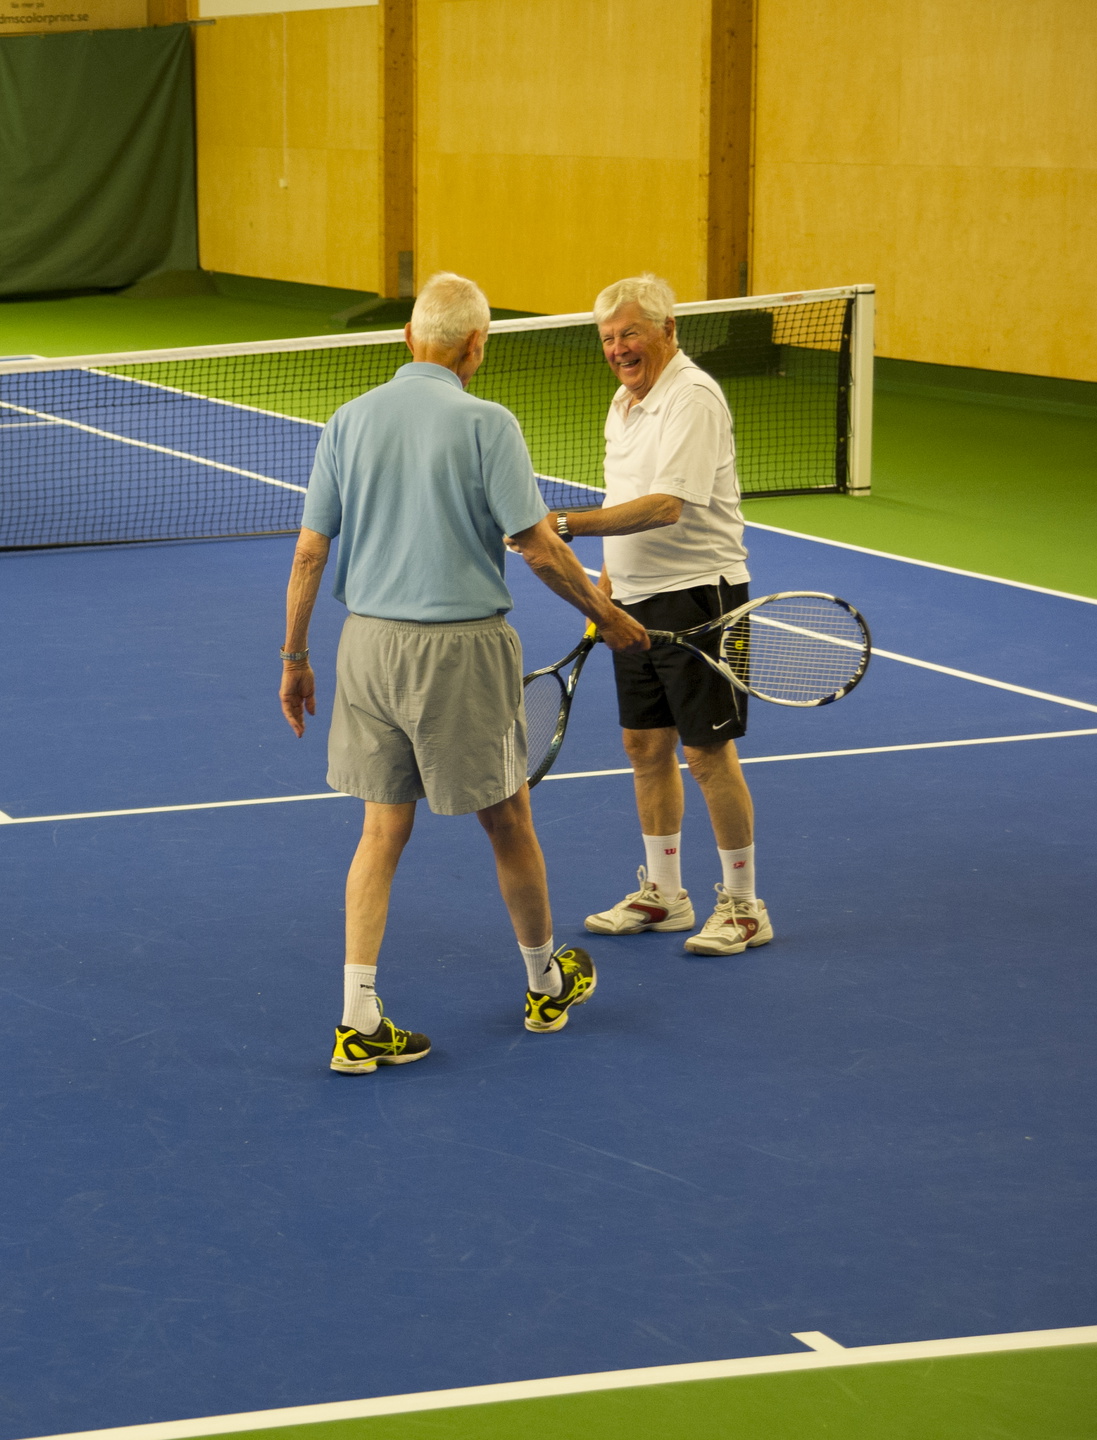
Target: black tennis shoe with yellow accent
point(550, 1012)
point(358, 1054)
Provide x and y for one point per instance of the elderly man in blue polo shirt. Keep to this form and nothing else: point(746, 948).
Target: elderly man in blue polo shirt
point(421, 482)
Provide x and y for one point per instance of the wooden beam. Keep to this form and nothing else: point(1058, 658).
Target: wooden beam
point(170, 12)
point(731, 107)
point(398, 147)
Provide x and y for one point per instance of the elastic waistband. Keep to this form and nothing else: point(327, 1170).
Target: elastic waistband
point(434, 627)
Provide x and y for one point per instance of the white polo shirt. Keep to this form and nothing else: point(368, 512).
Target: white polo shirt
point(678, 440)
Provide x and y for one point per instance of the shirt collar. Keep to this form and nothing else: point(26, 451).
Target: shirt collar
point(425, 370)
point(654, 398)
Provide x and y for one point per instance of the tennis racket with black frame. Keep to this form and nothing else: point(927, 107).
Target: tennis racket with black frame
point(798, 647)
point(548, 697)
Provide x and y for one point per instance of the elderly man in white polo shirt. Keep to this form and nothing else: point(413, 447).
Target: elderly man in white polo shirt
point(674, 557)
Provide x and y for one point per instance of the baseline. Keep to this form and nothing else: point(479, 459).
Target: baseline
point(585, 1384)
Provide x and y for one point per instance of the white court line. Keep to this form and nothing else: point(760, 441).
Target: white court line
point(865, 750)
point(828, 1359)
point(985, 680)
point(209, 399)
point(816, 1340)
point(170, 809)
point(570, 775)
point(947, 669)
point(925, 564)
point(148, 445)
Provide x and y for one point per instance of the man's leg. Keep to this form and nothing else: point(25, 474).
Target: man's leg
point(660, 799)
point(660, 903)
point(385, 831)
point(556, 982)
point(717, 771)
point(366, 1039)
point(740, 918)
point(520, 867)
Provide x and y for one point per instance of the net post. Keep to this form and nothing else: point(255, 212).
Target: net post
point(860, 407)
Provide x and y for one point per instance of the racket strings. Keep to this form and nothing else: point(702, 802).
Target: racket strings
point(544, 697)
point(797, 649)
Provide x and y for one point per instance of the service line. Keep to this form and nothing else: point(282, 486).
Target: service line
point(568, 775)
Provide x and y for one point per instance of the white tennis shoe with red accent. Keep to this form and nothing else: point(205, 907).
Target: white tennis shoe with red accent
point(644, 909)
point(732, 926)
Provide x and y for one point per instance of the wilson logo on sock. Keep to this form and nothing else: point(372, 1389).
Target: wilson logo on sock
point(738, 865)
point(670, 852)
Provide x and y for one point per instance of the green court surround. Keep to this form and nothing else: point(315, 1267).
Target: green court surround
point(1046, 1394)
point(979, 485)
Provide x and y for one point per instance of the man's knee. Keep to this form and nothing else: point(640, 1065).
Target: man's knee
point(512, 815)
point(705, 761)
point(391, 824)
point(649, 749)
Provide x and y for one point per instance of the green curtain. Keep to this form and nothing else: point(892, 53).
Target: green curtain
point(96, 158)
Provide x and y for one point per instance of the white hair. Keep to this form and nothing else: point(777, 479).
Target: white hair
point(653, 295)
point(448, 309)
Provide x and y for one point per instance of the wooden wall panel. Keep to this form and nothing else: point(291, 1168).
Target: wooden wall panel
point(731, 87)
point(947, 151)
point(562, 144)
point(289, 184)
point(169, 12)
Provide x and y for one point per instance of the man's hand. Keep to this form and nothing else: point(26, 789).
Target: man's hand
point(298, 694)
point(298, 688)
point(624, 634)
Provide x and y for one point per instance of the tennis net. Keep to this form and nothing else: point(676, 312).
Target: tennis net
point(219, 441)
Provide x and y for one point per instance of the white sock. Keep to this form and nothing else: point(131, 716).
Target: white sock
point(738, 872)
point(360, 1005)
point(664, 863)
point(542, 971)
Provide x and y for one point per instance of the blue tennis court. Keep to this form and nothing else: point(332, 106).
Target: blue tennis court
point(91, 455)
point(878, 1127)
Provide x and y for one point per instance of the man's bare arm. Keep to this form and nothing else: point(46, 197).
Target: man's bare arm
point(649, 512)
point(298, 689)
point(554, 564)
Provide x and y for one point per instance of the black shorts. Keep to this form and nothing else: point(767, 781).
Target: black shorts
point(668, 687)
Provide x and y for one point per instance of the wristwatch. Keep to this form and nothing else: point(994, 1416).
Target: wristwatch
point(562, 527)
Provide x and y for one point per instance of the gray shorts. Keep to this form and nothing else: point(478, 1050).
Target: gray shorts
point(430, 711)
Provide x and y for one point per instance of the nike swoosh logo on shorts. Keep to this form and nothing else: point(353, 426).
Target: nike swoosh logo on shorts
point(724, 722)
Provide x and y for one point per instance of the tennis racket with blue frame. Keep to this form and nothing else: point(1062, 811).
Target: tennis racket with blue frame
point(798, 647)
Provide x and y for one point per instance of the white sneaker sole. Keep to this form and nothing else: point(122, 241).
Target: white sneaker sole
point(697, 946)
point(599, 926)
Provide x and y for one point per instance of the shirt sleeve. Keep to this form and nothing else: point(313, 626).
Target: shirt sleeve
point(509, 483)
point(323, 510)
point(695, 441)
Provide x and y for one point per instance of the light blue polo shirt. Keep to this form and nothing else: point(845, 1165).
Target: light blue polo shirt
point(421, 481)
